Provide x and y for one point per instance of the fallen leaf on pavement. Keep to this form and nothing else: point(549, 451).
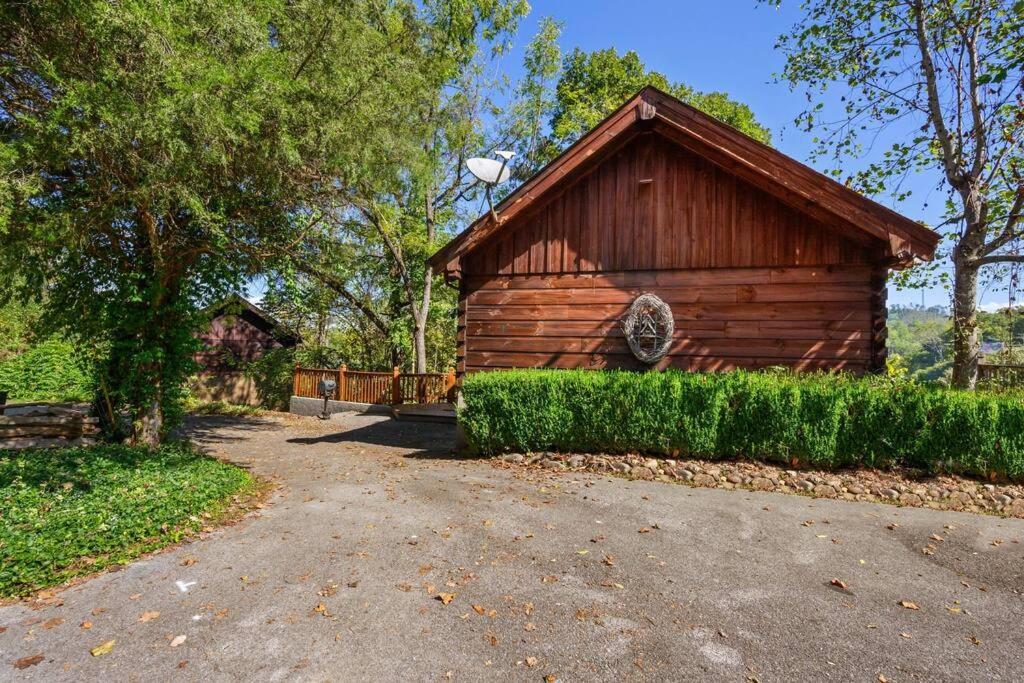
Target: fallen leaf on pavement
point(98, 610)
point(102, 649)
point(643, 530)
point(479, 609)
point(529, 626)
point(445, 598)
point(904, 634)
point(86, 624)
point(178, 640)
point(52, 623)
point(973, 640)
point(26, 662)
point(936, 537)
point(838, 584)
point(550, 678)
point(148, 616)
point(135, 596)
point(893, 526)
point(531, 661)
point(908, 604)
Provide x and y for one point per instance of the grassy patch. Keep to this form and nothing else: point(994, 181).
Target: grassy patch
point(65, 513)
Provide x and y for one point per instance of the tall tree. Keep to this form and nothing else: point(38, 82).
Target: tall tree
point(561, 98)
point(942, 81)
point(399, 217)
point(154, 154)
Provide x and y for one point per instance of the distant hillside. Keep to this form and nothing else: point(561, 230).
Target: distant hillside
point(921, 338)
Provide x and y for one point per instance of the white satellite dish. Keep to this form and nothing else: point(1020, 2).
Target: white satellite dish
point(491, 172)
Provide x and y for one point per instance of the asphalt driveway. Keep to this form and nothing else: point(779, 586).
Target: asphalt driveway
point(383, 558)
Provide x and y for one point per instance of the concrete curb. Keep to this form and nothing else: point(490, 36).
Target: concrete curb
point(311, 407)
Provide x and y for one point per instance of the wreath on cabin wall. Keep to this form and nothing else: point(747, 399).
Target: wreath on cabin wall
point(648, 327)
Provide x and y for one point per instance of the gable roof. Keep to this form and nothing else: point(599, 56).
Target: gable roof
point(790, 181)
point(236, 304)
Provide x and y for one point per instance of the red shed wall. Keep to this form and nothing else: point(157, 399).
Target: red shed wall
point(751, 281)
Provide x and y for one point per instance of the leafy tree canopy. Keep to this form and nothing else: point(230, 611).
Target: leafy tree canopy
point(593, 84)
point(156, 155)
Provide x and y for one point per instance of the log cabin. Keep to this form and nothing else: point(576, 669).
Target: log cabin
point(239, 333)
point(665, 238)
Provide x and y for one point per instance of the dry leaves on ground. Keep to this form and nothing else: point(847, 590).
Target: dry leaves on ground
point(26, 662)
point(103, 648)
point(908, 604)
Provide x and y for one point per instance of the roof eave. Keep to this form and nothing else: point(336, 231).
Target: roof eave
point(736, 152)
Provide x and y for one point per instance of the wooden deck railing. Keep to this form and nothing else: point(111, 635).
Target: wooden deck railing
point(390, 388)
point(1001, 375)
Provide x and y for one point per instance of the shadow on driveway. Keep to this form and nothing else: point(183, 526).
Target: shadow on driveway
point(225, 428)
point(421, 439)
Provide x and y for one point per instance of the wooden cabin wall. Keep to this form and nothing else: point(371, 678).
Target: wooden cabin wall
point(751, 281)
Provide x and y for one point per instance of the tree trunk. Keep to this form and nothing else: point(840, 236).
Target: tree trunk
point(149, 423)
point(965, 324)
point(419, 338)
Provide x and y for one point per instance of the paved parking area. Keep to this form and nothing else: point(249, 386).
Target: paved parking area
point(573, 576)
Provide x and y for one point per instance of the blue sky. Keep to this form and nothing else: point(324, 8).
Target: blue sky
point(715, 45)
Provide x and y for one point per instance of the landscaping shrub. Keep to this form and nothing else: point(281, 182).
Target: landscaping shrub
point(822, 420)
point(49, 371)
point(74, 511)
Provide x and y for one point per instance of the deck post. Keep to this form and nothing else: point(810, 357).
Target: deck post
point(396, 387)
point(449, 386)
point(295, 380)
point(342, 371)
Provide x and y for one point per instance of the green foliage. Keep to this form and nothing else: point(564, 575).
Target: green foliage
point(50, 371)
point(18, 327)
point(164, 152)
point(821, 420)
point(594, 84)
point(923, 90)
point(272, 374)
point(75, 511)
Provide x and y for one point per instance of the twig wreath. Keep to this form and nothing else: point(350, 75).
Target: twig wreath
point(648, 327)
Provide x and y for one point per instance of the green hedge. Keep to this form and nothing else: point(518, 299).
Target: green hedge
point(820, 420)
point(49, 371)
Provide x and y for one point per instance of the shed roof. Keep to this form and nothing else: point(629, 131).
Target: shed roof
point(900, 238)
point(236, 304)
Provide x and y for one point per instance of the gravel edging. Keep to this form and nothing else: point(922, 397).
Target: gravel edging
point(943, 492)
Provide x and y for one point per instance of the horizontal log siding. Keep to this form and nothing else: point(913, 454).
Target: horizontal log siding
point(806, 317)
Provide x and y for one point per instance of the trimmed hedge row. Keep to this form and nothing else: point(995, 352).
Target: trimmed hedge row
point(821, 420)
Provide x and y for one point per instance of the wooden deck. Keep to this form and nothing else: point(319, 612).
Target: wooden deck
point(425, 412)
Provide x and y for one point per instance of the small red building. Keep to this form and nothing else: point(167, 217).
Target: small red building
point(747, 257)
point(238, 334)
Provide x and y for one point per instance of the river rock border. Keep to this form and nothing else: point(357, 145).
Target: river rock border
point(944, 492)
